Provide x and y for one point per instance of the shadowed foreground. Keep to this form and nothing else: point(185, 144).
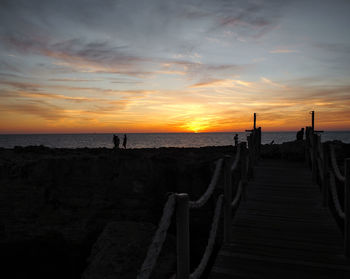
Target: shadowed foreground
point(282, 230)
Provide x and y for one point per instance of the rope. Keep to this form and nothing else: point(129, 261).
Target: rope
point(311, 157)
point(319, 147)
point(335, 197)
point(158, 239)
point(335, 165)
point(320, 168)
point(247, 164)
point(238, 155)
point(204, 198)
point(211, 241)
point(238, 195)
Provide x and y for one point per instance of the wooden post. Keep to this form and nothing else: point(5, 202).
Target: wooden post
point(259, 142)
point(254, 120)
point(325, 174)
point(250, 153)
point(347, 208)
point(244, 170)
point(314, 157)
point(307, 147)
point(250, 148)
point(227, 199)
point(313, 120)
point(183, 236)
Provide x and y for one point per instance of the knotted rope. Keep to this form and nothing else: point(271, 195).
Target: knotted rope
point(214, 180)
point(335, 165)
point(335, 197)
point(158, 239)
point(211, 241)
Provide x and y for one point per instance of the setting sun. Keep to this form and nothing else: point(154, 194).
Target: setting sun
point(197, 125)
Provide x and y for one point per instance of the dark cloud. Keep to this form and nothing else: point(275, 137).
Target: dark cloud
point(334, 47)
point(8, 67)
point(21, 85)
point(132, 38)
point(140, 24)
point(71, 80)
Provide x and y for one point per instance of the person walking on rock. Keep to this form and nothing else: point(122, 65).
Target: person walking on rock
point(124, 141)
point(116, 141)
point(300, 134)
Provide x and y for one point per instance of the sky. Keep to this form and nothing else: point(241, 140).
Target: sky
point(104, 66)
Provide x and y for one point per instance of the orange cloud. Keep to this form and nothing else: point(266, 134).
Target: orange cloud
point(215, 105)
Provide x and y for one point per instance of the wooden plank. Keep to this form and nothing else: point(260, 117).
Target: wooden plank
point(282, 230)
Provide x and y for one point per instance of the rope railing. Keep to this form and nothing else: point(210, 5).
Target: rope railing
point(158, 239)
point(335, 165)
point(237, 158)
point(211, 241)
point(206, 196)
point(237, 198)
point(335, 197)
point(181, 204)
point(325, 167)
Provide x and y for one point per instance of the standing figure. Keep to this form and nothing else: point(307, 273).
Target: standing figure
point(300, 134)
point(236, 139)
point(116, 141)
point(124, 141)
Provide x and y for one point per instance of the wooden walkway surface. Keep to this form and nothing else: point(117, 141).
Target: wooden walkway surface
point(282, 230)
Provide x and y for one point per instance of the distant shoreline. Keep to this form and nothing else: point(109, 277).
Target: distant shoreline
point(165, 133)
point(153, 140)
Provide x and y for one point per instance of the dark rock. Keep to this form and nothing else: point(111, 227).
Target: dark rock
point(121, 248)
point(74, 193)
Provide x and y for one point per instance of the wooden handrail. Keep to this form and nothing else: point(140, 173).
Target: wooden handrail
point(324, 165)
point(183, 236)
point(347, 208)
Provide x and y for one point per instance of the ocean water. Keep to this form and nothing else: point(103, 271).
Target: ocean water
point(151, 140)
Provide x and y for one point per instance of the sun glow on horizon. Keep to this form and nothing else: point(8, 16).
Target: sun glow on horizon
point(197, 125)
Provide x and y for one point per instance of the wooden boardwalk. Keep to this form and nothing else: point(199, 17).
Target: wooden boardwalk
point(282, 230)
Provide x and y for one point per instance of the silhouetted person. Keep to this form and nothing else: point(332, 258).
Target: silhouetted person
point(116, 141)
point(124, 141)
point(300, 134)
point(236, 139)
point(272, 142)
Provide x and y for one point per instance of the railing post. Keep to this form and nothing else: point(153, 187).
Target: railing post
point(254, 121)
point(227, 199)
point(347, 208)
point(307, 147)
point(325, 175)
point(258, 143)
point(244, 175)
point(251, 148)
point(314, 157)
point(183, 236)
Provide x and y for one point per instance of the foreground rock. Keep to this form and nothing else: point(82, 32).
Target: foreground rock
point(54, 203)
point(121, 249)
point(293, 150)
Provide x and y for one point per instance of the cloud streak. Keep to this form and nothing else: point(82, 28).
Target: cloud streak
point(194, 65)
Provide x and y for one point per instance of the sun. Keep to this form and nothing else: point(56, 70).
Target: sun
point(197, 125)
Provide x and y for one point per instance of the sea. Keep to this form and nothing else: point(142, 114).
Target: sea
point(152, 140)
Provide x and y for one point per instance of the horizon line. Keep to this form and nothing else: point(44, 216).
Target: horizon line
point(107, 133)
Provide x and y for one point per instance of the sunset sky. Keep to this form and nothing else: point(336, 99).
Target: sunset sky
point(173, 66)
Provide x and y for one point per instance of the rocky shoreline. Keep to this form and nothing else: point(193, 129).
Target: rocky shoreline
point(91, 213)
